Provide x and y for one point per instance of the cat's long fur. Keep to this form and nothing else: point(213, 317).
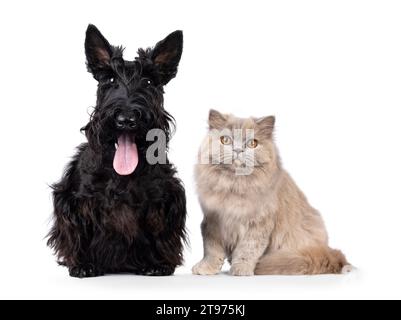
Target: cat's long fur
point(261, 222)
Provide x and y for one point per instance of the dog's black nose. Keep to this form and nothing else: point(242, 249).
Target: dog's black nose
point(126, 121)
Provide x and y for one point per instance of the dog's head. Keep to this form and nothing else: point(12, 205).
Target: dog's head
point(129, 96)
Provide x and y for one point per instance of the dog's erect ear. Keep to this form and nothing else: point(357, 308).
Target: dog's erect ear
point(167, 54)
point(266, 125)
point(98, 51)
point(217, 120)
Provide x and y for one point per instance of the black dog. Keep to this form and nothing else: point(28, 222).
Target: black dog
point(113, 211)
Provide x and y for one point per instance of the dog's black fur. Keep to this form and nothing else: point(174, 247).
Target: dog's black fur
point(105, 222)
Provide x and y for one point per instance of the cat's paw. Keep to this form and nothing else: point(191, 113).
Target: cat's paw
point(242, 270)
point(206, 268)
point(347, 269)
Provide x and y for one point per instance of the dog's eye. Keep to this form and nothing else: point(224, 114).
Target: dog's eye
point(148, 82)
point(252, 143)
point(109, 80)
point(225, 140)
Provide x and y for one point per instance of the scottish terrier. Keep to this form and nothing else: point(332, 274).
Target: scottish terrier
point(114, 212)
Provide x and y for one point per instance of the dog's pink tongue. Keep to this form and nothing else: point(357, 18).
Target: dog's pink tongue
point(126, 156)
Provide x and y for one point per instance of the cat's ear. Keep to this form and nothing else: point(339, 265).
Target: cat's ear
point(166, 56)
point(98, 51)
point(217, 120)
point(266, 125)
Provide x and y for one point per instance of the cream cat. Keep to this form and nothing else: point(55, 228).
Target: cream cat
point(254, 214)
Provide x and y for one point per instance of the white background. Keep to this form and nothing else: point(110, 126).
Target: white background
point(329, 70)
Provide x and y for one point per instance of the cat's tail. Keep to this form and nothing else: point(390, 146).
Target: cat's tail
point(310, 261)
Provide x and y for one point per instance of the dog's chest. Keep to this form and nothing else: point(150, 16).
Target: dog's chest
point(122, 219)
point(129, 208)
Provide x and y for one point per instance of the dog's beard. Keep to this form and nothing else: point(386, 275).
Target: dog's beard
point(126, 155)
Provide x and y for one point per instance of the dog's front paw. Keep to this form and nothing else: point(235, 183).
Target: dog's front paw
point(206, 268)
point(242, 270)
point(155, 271)
point(84, 271)
point(160, 271)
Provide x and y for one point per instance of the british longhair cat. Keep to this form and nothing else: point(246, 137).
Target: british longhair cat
point(254, 213)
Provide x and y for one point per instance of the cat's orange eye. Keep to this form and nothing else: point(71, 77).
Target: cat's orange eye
point(225, 140)
point(252, 143)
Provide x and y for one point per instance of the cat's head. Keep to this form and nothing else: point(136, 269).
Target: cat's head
point(239, 145)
